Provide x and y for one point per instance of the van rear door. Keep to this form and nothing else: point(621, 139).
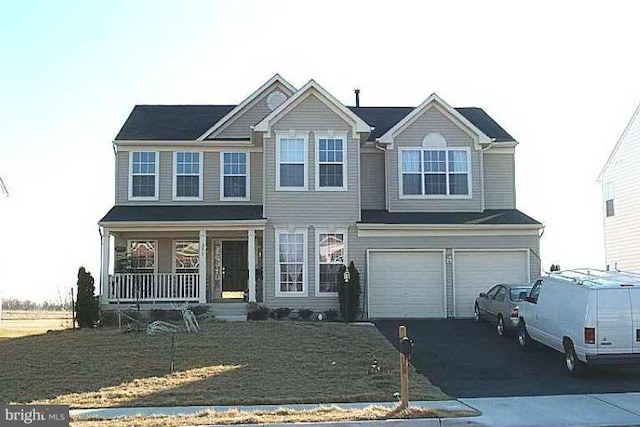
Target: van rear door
point(635, 312)
point(615, 331)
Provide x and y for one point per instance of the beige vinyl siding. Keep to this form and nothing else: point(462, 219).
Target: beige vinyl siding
point(433, 121)
point(372, 180)
point(621, 233)
point(210, 179)
point(499, 181)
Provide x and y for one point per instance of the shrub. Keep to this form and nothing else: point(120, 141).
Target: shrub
point(281, 313)
point(87, 306)
point(305, 313)
point(257, 312)
point(110, 317)
point(199, 309)
point(349, 294)
point(164, 315)
point(331, 315)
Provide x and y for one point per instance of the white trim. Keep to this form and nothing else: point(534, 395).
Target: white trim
point(209, 146)
point(444, 273)
point(453, 265)
point(305, 278)
point(499, 150)
point(251, 263)
point(342, 136)
point(305, 138)
point(247, 177)
point(200, 176)
point(329, 230)
point(105, 241)
point(314, 88)
point(249, 100)
point(440, 230)
point(434, 101)
point(619, 143)
point(156, 179)
point(447, 196)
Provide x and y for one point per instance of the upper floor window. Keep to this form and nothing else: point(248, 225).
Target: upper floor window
point(435, 173)
point(608, 199)
point(187, 181)
point(234, 176)
point(330, 172)
point(291, 162)
point(143, 175)
point(186, 256)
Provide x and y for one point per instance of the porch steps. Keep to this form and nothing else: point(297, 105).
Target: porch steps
point(230, 311)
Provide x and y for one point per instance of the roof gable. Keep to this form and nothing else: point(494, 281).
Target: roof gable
point(434, 101)
point(620, 142)
point(313, 88)
point(249, 102)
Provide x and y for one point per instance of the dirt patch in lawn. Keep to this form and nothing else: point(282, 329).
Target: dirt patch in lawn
point(226, 364)
point(18, 323)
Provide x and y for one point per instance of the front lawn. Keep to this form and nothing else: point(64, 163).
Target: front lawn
point(226, 364)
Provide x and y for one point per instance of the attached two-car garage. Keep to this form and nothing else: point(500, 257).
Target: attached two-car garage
point(411, 283)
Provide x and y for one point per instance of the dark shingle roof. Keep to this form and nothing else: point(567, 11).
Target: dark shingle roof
point(188, 122)
point(384, 118)
point(183, 213)
point(488, 217)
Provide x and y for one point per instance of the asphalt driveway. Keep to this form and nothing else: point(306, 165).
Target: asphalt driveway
point(469, 360)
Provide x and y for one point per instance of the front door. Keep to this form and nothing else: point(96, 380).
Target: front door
point(235, 272)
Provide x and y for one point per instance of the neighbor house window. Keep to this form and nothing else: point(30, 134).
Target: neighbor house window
point(291, 263)
point(331, 257)
point(608, 199)
point(143, 182)
point(142, 255)
point(187, 183)
point(186, 257)
point(435, 173)
point(235, 176)
point(330, 173)
point(292, 163)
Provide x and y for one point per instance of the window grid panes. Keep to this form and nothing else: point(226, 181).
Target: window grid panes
point(331, 162)
point(143, 255)
point(291, 261)
point(331, 259)
point(292, 161)
point(435, 172)
point(188, 175)
point(235, 175)
point(143, 174)
point(187, 257)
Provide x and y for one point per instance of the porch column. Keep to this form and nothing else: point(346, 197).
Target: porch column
point(202, 266)
point(104, 265)
point(251, 261)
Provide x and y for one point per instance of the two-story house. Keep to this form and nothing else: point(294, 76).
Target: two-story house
point(270, 197)
point(620, 181)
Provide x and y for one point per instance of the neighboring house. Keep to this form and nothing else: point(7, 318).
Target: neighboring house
point(271, 196)
point(620, 181)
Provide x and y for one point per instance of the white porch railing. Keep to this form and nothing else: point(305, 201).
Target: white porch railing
point(153, 287)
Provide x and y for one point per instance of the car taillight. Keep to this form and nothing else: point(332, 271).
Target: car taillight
point(589, 335)
point(515, 313)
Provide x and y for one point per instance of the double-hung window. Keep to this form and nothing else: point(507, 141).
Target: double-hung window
point(142, 255)
point(330, 171)
point(331, 256)
point(234, 176)
point(143, 176)
point(186, 256)
point(608, 199)
point(187, 182)
point(435, 173)
point(291, 163)
point(291, 264)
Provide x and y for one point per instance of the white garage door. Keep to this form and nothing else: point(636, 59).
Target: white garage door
point(406, 284)
point(477, 271)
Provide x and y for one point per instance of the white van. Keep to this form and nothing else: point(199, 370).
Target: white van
point(592, 316)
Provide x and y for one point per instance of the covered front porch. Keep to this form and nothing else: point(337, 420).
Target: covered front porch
point(162, 265)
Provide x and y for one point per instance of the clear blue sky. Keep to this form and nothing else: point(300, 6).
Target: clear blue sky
point(561, 77)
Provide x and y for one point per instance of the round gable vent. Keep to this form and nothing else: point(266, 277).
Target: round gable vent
point(275, 99)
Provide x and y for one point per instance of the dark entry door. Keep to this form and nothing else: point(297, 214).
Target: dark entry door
point(234, 265)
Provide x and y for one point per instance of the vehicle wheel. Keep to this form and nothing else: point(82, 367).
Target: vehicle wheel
point(575, 366)
point(524, 340)
point(500, 326)
point(476, 313)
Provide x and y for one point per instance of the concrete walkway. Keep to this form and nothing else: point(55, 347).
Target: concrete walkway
point(588, 410)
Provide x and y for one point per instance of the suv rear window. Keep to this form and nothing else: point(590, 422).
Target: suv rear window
point(519, 294)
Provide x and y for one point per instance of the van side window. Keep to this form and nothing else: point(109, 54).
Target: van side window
point(535, 291)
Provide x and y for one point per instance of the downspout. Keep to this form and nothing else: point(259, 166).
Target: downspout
point(482, 150)
point(386, 174)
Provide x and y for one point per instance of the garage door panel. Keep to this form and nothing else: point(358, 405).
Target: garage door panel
point(477, 271)
point(406, 284)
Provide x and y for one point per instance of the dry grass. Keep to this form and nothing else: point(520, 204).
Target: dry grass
point(283, 415)
point(226, 364)
point(18, 323)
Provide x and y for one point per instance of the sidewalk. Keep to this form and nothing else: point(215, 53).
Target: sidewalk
point(589, 410)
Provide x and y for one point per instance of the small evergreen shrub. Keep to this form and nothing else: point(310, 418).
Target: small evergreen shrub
point(349, 293)
point(282, 313)
point(199, 309)
point(305, 313)
point(257, 312)
point(331, 315)
point(87, 305)
point(164, 315)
